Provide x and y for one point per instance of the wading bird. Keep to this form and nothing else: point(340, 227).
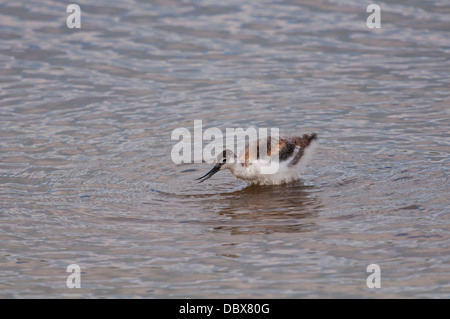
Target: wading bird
point(282, 162)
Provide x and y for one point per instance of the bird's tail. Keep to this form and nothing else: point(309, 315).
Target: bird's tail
point(308, 138)
point(303, 143)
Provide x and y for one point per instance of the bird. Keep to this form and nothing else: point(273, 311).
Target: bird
point(282, 161)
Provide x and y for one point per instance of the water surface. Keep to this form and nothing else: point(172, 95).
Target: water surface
point(86, 177)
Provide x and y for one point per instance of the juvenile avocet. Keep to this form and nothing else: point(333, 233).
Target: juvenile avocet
point(289, 155)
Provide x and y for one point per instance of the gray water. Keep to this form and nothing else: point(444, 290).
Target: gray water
point(86, 177)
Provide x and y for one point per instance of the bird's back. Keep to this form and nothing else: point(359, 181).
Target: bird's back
point(287, 148)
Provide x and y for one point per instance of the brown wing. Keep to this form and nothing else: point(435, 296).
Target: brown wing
point(285, 148)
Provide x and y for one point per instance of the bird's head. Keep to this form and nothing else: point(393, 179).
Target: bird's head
point(224, 160)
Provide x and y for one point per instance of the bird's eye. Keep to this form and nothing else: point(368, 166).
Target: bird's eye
point(224, 160)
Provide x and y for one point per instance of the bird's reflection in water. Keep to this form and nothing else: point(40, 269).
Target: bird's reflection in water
point(268, 209)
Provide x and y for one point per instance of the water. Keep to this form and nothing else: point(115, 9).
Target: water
point(86, 177)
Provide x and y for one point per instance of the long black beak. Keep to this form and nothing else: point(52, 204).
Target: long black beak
point(214, 170)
